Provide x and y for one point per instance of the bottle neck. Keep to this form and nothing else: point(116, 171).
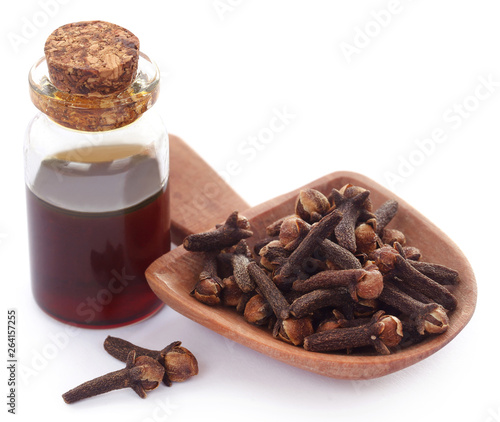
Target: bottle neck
point(95, 112)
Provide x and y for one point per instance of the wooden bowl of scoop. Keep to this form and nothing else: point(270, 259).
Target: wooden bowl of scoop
point(201, 199)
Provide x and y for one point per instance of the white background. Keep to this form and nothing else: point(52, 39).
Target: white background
point(360, 102)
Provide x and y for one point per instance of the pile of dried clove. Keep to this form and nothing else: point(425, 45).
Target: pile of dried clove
point(144, 371)
point(329, 277)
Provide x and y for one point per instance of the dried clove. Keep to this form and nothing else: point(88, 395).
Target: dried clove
point(319, 298)
point(273, 229)
point(364, 283)
point(292, 232)
point(273, 255)
point(240, 260)
point(384, 214)
point(383, 332)
point(366, 238)
point(338, 256)
point(316, 235)
point(179, 363)
point(231, 294)
point(411, 252)
point(391, 261)
point(311, 205)
point(439, 273)
point(332, 322)
point(429, 318)
point(141, 373)
point(293, 330)
point(257, 310)
point(392, 236)
point(229, 234)
point(242, 303)
point(420, 282)
point(269, 290)
point(209, 286)
point(350, 203)
point(262, 243)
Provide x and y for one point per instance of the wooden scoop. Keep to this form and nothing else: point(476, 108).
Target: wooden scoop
point(200, 199)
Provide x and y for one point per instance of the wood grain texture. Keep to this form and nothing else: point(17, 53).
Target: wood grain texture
point(173, 276)
point(92, 57)
point(199, 197)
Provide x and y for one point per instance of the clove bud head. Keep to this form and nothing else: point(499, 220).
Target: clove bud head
point(295, 330)
point(149, 372)
point(311, 205)
point(331, 323)
point(207, 290)
point(371, 283)
point(391, 236)
point(257, 310)
point(366, 238)
point(273, 255)
point(436, 321)
point(350, 191)
point(412, 253)
point(180, 364)
point(293, 231)
point(384, 258)
point(231, 293)
point(392, 333)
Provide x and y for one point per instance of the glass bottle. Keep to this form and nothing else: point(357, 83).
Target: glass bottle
point(96, 170)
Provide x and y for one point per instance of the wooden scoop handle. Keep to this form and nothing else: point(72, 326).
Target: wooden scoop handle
point(199, 197)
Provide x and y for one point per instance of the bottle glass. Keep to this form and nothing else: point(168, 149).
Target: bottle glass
point(96, 170)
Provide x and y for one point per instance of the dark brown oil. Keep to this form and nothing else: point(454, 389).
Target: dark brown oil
point(93, 235)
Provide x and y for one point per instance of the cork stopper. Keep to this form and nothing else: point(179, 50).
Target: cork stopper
point(92, 57)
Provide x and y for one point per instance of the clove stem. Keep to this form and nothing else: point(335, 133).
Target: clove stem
point(269, 290)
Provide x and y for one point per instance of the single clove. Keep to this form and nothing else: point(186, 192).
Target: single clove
point(383, 332)
point(209, 286)
point(179, 363)
point(337, 255)
point(366, 238)
point(293, 232)
point(273, 229)
point(439, 273)
point(364, 283)
point(317, 299)
point(293, 330)
point(429, 318)
point(411, 252)
point(392, 236)
point(257, 310)
point(384, 215)
point(229, 234)
point(273, 255)
point(231, 294)
point(311, 205)
point(240, 260)
point(269, 290)
point(141, 373)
